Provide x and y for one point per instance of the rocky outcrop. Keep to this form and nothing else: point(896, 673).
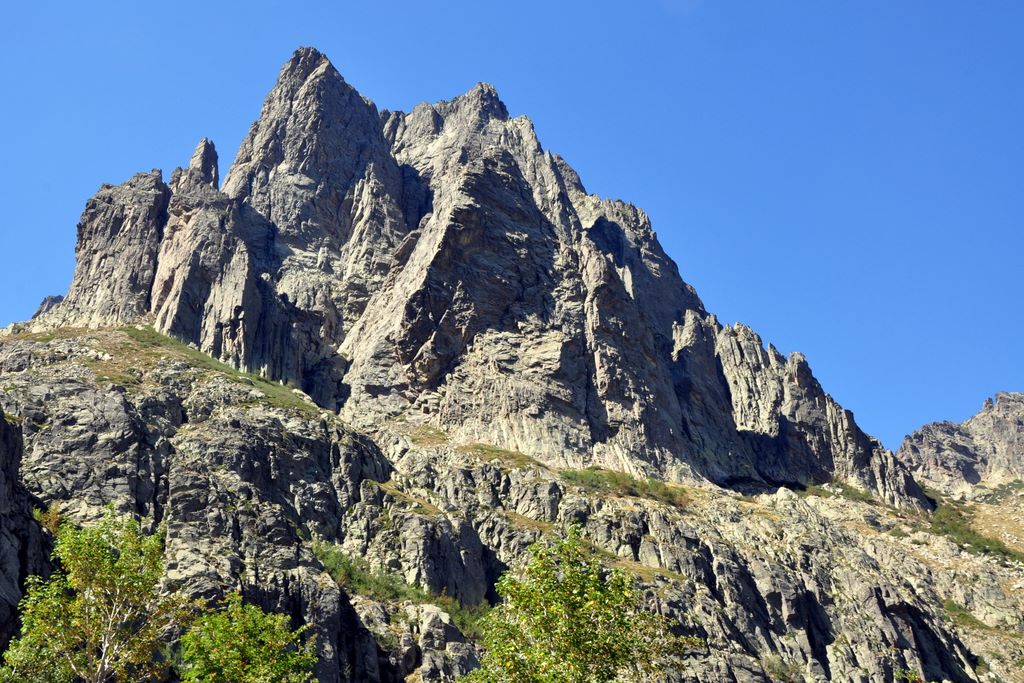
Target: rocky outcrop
point(440, 266)
point(47, 305)
point(986, 449)
point(119, 237)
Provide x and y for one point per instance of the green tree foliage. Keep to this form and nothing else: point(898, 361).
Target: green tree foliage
point(241, 643)
point(102, 616)
point(568, 619)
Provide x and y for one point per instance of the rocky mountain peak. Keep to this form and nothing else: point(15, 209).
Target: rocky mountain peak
point(473, 120)
point(304, 62)
point(316, 139)
point(440, 266)
point(481, 102)
point(986, 449)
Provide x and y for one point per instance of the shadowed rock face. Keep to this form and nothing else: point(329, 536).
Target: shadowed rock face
point(985, 449)
point(440, 266)
point(23, 548)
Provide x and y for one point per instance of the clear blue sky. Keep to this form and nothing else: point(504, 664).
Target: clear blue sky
point(845, 177)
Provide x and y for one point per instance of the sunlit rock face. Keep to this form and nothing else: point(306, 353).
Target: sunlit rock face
point(441, 266)
point(986, 449)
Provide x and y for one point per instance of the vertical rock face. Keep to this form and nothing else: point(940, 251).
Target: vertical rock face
point(440, 266)
point(119, 236)
point(985, 449)
point(316, 165)
point(22, 548)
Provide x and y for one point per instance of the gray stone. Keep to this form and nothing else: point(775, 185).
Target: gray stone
point(24, 547)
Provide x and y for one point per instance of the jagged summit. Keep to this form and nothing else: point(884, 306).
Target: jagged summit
point(204, 163)
point(481, 102)
point(304, 61)
point(439, 266)
point(986, 449)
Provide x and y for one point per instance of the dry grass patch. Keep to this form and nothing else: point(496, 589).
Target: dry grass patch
point(523, 522)
point(646, 572)
point(426, 436)
point(136, 350)
point(47, 336)
point(499, 456)
point(1004, 521)
point(608, 482)
point(418, 505)
point(839, 489)
point(959, 522)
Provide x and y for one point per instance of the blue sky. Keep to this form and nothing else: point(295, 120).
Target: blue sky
point(844, 177)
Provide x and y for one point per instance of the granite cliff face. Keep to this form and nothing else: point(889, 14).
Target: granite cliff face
point(440, 266)
point(986, 449)
point(450, 323)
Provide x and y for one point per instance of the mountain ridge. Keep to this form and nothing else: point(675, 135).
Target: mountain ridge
point(986, 448)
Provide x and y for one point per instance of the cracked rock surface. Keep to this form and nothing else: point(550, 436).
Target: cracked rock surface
point(250, 476)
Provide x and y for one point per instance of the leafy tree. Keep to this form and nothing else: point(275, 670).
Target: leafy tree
point(567, 619)
point(241, 643)
point(102, 616)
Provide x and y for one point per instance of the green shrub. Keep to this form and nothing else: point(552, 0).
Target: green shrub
point(907, 676)
point(953, 520)
point(356, 576)
point(102, 615)
point(567, 618)
point(1003, 491)
point(240, 643)
point(781, 671)
point(961, 616)
point(50, 518)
